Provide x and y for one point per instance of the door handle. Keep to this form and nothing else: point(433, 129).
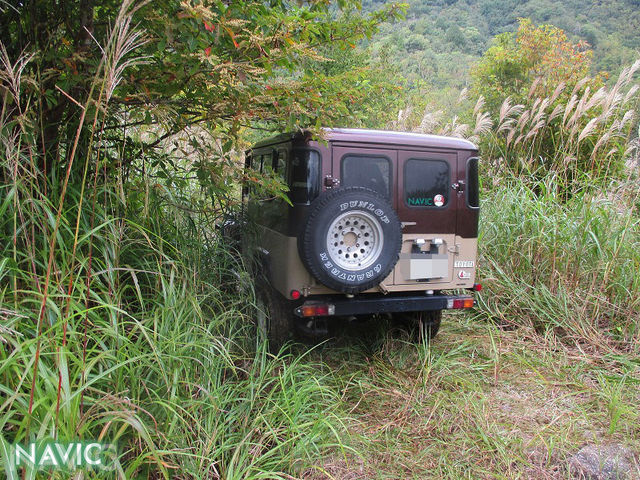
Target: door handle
point(458, 186)
point(331, 182)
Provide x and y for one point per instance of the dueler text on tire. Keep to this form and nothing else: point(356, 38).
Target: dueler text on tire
point(351, 239)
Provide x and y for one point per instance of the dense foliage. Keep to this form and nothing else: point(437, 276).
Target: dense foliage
point(533, 62)
point(170, 68)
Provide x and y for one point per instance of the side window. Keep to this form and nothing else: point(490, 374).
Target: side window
point(305, 176)
point(280, 164)
point(265, 162)
point(367, 171)
point(257, 163)
point(473, 193)
point(426, 183)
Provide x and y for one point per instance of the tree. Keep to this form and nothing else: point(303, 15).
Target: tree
point(223, 65)
point(531, 62)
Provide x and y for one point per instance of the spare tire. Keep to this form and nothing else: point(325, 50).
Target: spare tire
point(351, 239)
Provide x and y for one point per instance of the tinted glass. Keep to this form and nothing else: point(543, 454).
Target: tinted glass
point(426, 183)
point(473, 195)
point(265, 162)
point(305, 176)
point(280, 164)
point(368, 172)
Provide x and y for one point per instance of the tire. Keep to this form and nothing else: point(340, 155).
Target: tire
point(273, 317)
point(422, 325)
point(362, 257)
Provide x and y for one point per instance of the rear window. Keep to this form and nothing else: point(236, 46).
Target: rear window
point(305, 176)
point(367, 171)
point(426, 183)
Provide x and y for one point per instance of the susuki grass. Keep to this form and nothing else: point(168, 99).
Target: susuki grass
point(581, 135)
point(563, 266)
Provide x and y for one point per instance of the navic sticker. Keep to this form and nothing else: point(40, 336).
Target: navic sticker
point(436, 201)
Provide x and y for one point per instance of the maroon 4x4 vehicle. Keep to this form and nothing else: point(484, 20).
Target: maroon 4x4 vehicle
point(379, 222)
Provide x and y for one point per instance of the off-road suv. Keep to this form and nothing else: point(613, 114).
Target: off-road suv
point(379, 222)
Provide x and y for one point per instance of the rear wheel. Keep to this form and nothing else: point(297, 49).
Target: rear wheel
point(422, 325)
point(273, 317)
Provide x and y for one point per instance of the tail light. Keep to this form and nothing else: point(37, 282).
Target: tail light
point(295, 294)
point(461, 302)
point(316, 310)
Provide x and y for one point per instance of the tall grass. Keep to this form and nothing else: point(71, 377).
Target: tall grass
point(563, 266)
point(559, 221)
point(583, 136)
point(117, 320)
point(576, 134)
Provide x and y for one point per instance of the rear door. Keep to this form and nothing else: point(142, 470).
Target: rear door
point(427, 200)
point(367, 167)
point(427, 203)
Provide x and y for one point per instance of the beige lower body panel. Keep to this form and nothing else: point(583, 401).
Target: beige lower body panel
point(288, 273)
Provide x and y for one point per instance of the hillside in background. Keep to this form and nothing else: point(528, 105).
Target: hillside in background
point(440, 39)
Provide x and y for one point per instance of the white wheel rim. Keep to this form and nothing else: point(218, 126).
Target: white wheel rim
point(354, 240)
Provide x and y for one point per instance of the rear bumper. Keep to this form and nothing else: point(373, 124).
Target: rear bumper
point(362, 305)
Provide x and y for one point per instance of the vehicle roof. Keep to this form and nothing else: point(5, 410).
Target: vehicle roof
point(380, 137)
point(402, 138)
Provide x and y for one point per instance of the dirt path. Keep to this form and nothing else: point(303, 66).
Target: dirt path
point(479, 403)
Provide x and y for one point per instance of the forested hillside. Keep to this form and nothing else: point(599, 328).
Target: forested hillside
point(440, 39)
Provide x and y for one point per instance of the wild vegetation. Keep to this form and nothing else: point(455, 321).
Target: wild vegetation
point(125, 317)
point(560, 221)
point(440, 40)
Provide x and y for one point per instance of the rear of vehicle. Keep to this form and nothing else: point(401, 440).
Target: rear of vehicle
point(382, 222)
